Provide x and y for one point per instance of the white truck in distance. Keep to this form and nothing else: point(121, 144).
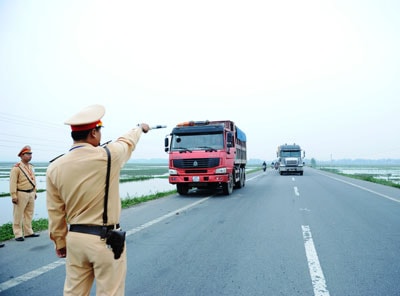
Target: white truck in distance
point(290, 158)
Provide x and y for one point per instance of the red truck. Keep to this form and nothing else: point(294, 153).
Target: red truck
point(207, 154)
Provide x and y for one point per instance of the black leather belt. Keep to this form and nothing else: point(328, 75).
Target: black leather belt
point(91, 229)
point(27, 191)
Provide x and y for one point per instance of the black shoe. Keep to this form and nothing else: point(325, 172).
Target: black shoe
point(2, 245)
point(19, 239)
point(33, 235)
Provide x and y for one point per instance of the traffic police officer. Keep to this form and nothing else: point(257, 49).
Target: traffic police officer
point(75, 196)
point(23, 194)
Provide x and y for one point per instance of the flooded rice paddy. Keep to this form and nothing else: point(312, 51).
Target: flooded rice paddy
point(387, 173)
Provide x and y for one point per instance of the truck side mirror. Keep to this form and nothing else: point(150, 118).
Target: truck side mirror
point(229, 140)
point(166, 144)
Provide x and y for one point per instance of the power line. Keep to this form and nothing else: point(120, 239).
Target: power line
point(42, 136)
point(21, 120)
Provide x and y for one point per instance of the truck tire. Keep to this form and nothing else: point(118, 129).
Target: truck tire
point(227, 188)
point(242, 179)
point(239, 183)
point(182, 189)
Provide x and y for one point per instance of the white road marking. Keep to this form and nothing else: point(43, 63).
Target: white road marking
point(317, 276)
point(296, 191)
point(304, 209)
point(30, 275)
point(37, 272)
point(256, 176)
point(361, 187)
point(159, 219)
point(293, 179)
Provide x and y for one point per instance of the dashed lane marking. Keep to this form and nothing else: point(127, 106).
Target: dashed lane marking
point(317, 276)
point(296, 191)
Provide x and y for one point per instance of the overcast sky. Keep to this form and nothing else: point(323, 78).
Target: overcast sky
point(322, 74)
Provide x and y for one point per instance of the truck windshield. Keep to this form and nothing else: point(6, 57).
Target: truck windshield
point(197, 142)
point(290, 154)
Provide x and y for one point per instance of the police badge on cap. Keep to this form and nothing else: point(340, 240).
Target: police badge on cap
point(86, 119)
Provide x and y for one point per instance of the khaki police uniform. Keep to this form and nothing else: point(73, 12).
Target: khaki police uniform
point(75, 195)
point(23, 189)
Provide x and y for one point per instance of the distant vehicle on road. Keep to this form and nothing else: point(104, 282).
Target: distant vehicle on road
point(290, 159)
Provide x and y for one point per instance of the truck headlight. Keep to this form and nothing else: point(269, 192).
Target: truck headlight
point(172, 172)
point(220, 171)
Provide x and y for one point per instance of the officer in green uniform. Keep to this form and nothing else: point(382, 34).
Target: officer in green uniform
point(75, 197)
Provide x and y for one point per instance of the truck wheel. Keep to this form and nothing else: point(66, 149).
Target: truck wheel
point(239, 183)
point(242, 179)
point(182, 189)
point(227, 188)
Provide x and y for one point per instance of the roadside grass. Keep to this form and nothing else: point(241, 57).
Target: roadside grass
point(365, 177)
point(131, 201)
point(140, 178)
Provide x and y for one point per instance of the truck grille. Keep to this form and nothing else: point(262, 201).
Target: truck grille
point(194, 163)
point(291, 162)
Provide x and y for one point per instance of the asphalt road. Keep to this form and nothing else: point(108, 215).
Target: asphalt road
point(317, 234)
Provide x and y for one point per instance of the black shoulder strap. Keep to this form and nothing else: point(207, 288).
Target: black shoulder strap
point(105, 218)
point(30, 181)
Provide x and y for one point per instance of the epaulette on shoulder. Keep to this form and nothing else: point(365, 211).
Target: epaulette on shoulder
point(17, 165)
